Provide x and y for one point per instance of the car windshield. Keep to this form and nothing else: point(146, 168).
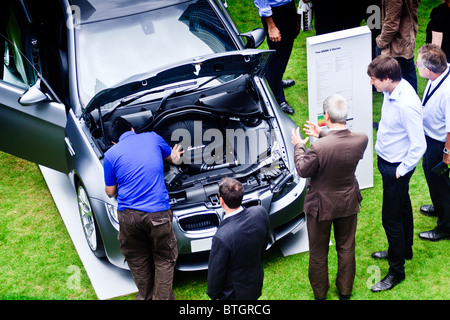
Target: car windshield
point(113, 50)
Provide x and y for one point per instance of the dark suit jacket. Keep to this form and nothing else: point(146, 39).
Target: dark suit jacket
point(235, 270)
point(333, 191)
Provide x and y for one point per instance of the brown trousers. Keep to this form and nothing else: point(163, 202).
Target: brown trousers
point(148, 242)
point(319, 239)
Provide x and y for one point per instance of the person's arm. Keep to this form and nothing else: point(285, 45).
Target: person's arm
point(274, 32)
point(306, 163)
point(217, 268)
point(111, 191)
point(391, 23)
point(446, 158)
point(175, 155)
point(436, 38)
point(412, 121)
point(110, 178)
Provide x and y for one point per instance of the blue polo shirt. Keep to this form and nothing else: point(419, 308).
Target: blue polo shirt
point(135, 165)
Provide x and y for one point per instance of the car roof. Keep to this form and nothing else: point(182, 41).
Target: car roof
point(98, 10)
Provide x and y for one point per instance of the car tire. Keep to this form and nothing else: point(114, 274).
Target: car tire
point(89, 223)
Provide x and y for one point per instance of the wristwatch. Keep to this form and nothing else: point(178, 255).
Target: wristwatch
point(446, 151)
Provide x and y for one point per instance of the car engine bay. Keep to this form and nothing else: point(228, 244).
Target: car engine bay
point(224, 133)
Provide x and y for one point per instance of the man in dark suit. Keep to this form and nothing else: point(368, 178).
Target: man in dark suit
point(235, 270)
point(333, 194)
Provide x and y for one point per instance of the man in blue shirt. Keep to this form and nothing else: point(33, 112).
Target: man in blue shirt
point(400, 145)
point(133, 170)
point(279, 19)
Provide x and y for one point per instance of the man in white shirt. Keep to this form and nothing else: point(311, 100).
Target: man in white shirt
point(432, 65)
point(400, 145)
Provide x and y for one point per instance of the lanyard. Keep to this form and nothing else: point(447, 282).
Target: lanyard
point(428, 95)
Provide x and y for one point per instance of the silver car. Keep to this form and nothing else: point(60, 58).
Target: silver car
point(176, 67)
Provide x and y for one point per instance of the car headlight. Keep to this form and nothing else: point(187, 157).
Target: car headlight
point(112, 212)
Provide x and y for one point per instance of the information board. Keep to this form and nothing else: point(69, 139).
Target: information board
point(337, 63)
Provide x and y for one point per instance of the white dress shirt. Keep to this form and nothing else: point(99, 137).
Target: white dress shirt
point(235, 212)
point(400, 137)
point(265, 6)
point(436, 112)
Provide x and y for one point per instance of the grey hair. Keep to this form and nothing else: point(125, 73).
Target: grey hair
point(336, 107)
point(432, 57)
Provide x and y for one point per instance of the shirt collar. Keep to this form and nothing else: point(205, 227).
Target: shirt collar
point(396, 92)
point(438, 79)
point(235, 212)
point(126, 134)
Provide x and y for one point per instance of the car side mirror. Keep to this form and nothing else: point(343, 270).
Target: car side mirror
point(254, 38)
point(33, 95)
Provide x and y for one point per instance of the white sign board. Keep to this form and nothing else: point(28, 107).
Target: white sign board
point(337, 63)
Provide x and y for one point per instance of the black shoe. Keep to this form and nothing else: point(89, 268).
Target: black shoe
point(375, 125)
point(380, 255)
point(287, 83)
point(286, 108)
point(434, 235)
point(428, 210)
point(388, 282)
point(344, 296)
point(385, 255)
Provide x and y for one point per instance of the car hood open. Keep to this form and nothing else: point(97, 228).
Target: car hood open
point(250, 61)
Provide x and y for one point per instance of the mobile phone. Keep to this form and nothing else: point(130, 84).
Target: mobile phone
point(440, 169)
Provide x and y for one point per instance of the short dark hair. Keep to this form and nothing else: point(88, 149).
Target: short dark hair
point(118, 127)
point(232, 192)
point(385, 67)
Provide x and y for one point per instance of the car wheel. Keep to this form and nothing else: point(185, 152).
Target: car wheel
point(89, 223)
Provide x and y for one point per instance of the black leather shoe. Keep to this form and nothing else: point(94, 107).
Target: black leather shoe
point(385, 255)
point(287, 83)
point(380, 255)
point(286, 108)
point(434, 235)
point(428, 210)
point(344, 296)
point(388, 282)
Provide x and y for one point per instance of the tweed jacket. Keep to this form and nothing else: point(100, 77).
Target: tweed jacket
point(330, 162)
point(399, 28)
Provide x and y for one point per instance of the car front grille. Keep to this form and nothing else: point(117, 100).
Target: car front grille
point(199, 222)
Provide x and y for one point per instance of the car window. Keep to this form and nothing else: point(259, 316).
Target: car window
point(15, 42)
point(111, 51)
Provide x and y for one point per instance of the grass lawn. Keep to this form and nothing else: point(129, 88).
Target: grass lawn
point(38, 259)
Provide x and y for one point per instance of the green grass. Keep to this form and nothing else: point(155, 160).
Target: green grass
point(37, 254)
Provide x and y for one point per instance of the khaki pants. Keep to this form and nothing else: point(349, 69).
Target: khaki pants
point(148, 242)
point(319, 239)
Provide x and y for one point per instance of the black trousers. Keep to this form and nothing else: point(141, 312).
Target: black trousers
point(285, 18)
point(439, 186)
point(397, 215)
